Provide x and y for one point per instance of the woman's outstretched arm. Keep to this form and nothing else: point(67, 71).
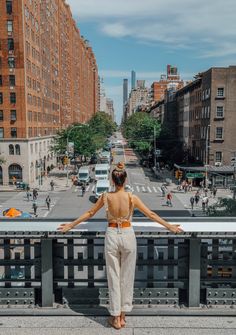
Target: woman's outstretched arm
point(84, 217)
point(154, 217)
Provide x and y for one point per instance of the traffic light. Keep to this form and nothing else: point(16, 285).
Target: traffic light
point(178, 174)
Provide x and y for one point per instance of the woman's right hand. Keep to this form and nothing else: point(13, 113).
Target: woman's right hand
point(175, 228)
point(65, 227)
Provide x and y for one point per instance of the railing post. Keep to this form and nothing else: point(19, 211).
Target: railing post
point(47, 273)
point(194, 272)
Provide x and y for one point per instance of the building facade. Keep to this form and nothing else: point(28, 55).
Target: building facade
point(207, 118)
point(48, 80)
point(170, 80)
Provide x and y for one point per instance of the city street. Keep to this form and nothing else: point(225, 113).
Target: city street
point(67, 201)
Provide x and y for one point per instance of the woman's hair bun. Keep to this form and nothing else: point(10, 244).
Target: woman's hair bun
point(120, 166)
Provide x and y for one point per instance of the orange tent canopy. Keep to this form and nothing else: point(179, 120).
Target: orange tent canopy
point(12, 212)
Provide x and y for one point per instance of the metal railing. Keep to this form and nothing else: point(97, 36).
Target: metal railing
point(43, 267)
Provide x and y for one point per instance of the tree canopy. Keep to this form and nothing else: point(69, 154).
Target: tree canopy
point(87, 138)
point(139, 130)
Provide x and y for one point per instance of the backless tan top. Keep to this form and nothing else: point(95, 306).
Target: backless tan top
point(113, 219)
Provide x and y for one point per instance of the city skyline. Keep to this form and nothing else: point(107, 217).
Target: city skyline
point(147, 37)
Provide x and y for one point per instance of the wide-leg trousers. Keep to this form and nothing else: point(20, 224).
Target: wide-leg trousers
point(120, 254)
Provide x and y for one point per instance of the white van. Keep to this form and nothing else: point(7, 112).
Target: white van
point(101, 187)
point(102, 171)
point(105, 157)
point(84, 175)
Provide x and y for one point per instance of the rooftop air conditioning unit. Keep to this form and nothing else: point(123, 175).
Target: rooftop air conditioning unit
point(218, 164)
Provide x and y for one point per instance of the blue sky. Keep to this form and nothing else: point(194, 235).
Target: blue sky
point(147, 35)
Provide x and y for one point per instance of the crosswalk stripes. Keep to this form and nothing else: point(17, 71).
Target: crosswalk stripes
point(136, 188)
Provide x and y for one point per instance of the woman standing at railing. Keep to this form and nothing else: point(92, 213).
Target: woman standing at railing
point(120, 243)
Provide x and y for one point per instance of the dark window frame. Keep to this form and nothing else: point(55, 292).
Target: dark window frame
point(14, 132)
point(10, 44)
point(11, 61)
point(13, 116)
point(12, 97)
point(2, 132)
point(12, 80)
point(9, 7)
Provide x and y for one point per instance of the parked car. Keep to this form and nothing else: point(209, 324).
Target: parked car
point(21, 185)
point(129, 188)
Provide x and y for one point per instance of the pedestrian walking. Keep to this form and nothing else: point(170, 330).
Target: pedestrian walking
point(197, 197)
point(120, 243)
point(35, 194)
point(169, 199)
point(52, 185)
point(35, 207)
point(214, 191)
point(28, 195)
point(163, 190)
point(192, 202)
point(205, 201)
point(48, 202)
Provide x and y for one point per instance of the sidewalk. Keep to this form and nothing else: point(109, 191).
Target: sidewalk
point(19, 199)
point(136, 325)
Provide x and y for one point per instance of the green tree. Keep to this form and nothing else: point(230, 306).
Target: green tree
point(223, 207)
point(101, 123)
point(139, 130)
point(82, 137)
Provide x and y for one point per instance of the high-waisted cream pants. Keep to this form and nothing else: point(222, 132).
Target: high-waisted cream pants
point(120, 254)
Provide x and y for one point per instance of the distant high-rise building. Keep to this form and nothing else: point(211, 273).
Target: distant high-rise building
point(125, 91)
point(141, 84)
point(133, 80)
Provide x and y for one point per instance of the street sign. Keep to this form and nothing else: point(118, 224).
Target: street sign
point(195, 175)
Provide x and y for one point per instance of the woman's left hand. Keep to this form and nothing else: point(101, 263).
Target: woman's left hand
point(65, 227)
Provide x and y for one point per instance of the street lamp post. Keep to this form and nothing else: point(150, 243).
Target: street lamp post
point(155, 149)
point(67, 147)
point(207, 154)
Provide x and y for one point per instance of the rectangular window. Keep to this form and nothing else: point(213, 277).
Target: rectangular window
point(9, 7)
point(11, 62)
point(1, 98)
point(12, 80)
point(0, 80)
point(1, 115)
point(220, 92)
point(1, 132)
point(13, 98)
point(218, 157)
point(219, 133)
point(13, 115)
point(14, 132)
point(10, 44)
point(9, 26)
point(219, 111)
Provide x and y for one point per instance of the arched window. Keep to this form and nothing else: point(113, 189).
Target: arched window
point(17, 148)
point(15, 173)
point(11, 149)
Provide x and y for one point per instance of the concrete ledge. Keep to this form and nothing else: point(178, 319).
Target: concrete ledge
point(167, 311)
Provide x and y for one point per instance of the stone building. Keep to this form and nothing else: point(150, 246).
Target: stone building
point(48, 80)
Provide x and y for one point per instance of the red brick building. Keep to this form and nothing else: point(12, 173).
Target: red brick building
point(48, 80)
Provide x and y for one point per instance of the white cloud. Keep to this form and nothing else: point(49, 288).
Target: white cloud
point(202, 25)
